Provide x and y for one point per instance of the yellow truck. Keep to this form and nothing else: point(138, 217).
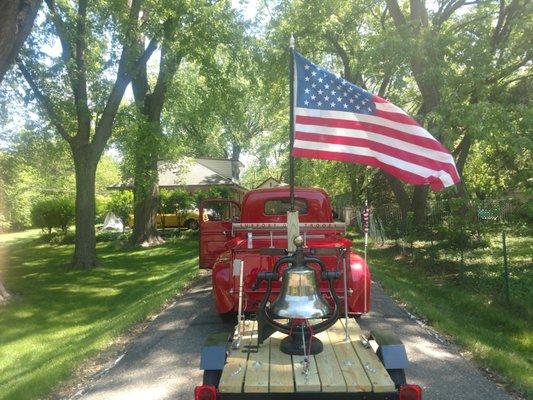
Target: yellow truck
point(185, 219)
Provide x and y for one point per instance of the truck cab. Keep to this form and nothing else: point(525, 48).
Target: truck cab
point(250, 237)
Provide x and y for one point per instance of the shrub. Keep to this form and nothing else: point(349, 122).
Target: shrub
point(55, 212)
point(5, 225)
point(111, 236)
point(212, 193)
point(101, 208)
point(121, 204)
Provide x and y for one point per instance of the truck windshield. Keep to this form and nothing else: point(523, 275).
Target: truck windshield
point(281, 206)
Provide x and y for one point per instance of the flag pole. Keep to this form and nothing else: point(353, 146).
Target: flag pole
point(366, 216)
point(293, 225)
point(291, 121)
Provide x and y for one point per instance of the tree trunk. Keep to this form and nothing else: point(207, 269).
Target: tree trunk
point(16, 21)
point(146, 187)
point(461, 154)
point(145, 210)
point(418, 205)
point(402, 198)
point(147, 151)
point(85, 242)
point(4, 294)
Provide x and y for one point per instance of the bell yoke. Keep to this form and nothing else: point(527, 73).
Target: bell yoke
point(299, 301)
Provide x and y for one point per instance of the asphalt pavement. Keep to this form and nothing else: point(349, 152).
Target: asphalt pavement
point(162, 363)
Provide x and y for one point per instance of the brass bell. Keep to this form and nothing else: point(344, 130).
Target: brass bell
point(300, 296)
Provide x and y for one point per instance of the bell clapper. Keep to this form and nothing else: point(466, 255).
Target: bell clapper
point(305, 369)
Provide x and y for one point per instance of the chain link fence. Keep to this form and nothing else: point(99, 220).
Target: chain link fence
point(486, 245)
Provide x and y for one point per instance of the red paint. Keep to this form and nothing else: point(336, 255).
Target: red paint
point(229, 247)
point(410, 392)
point(213, 234)
point(205, 392)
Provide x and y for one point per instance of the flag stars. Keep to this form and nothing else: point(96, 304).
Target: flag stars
point(322, 90)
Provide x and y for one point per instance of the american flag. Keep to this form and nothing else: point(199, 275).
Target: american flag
point(337, 120)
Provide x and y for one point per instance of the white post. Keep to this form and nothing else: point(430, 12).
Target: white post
point(241, 273)
point(293, 230)
point(346, 336)
point(238, 265)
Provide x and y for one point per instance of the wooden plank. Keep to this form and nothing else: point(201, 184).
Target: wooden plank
point(257, 368)
point(309, 382)
point(234, 371)
point(281, 375)
point(376, 372)
point(352, 370)
point(329, 370)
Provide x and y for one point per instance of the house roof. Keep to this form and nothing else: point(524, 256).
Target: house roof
point(202, 172)
point(270, 179)
point(194, 174)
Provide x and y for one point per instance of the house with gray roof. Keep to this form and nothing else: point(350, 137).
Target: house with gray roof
point(197, 174)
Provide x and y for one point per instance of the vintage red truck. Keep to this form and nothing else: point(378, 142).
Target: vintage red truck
point(272, 282)
point(260, 226)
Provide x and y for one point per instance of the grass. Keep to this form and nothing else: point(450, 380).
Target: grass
point(467, 301)
point(60, 317)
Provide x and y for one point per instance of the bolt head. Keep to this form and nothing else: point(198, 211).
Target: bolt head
point(299, 241)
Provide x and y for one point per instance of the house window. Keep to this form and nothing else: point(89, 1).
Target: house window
point(281, 206)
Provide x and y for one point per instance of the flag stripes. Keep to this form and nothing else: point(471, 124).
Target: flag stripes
point(336, 120)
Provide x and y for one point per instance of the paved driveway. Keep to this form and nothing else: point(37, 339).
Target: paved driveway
point(162, 363)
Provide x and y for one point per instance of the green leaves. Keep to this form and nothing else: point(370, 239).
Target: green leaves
point(54, 212)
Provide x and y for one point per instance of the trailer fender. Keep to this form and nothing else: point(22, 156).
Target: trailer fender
point(214, 350)
point(359, 282)
point(391, 350)
point(223, 286)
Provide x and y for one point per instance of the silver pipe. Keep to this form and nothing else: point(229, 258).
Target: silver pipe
point(240, 325)
point(347, 337)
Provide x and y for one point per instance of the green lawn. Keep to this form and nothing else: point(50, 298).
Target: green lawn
point(467, 302)
point(60, 317)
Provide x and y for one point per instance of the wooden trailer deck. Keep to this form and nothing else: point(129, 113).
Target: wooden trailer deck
point(341, 367)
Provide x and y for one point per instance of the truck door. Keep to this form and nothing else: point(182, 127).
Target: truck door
point(216, 217)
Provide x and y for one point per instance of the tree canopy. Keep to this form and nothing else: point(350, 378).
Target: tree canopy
point(206, 81)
